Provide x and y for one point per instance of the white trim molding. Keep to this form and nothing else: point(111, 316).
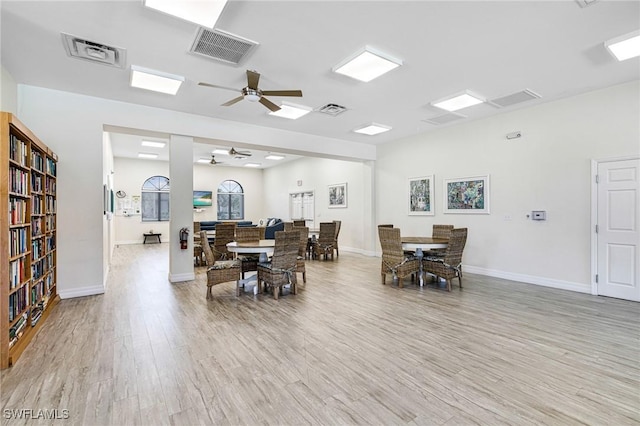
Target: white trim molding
point(529, 279)
point(177, 278)
point(81, 292)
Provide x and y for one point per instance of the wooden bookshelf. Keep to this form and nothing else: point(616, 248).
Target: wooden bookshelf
point(28, 290)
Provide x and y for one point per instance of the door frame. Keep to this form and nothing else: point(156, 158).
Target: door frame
point(594, 214)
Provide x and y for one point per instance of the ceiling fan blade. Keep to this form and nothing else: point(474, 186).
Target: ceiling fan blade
point(233, 101)
point(282, 93)
point(252, 79)
point(266, 102)
point(215, 86)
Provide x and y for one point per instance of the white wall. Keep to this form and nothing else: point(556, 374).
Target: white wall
point(8, 92)
point(316, 174)
point(547, 169)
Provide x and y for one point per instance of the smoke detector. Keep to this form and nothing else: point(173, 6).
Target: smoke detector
point(80, 48)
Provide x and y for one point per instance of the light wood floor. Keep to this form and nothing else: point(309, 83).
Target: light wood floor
point(345, 350)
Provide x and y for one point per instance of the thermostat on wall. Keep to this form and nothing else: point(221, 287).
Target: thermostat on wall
point(538, 215)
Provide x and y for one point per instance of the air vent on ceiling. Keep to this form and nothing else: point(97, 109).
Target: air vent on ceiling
point(514, 98)
point(222, 46)
point(332, 109)
point(445, 118)
point(79, 48)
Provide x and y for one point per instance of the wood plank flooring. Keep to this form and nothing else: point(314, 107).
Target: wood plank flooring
point(346, 350)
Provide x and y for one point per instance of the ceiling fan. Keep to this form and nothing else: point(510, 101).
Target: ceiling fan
point(234, 153)
point(252, 93)
point(214, 161)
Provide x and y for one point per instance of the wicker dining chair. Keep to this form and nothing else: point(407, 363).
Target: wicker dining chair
point(394, 260)
point(219, 271)
point(448, 266)
point(288, 226)
point(281, 270)
point(335, 239)
point(439, 231)
point(249, 261)
point(324, 245)
point(302, 250)
point(299, 222)
point(225, 233)
point(197, 245)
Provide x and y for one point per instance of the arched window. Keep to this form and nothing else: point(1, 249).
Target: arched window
point(230, 201)
point(155, 199)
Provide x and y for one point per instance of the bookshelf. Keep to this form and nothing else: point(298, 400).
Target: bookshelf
point(28, 289)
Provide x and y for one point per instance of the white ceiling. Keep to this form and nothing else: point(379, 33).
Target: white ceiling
point(554, 48)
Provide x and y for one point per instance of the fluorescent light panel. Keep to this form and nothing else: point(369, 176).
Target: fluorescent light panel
point(205, 13)
point(203, 160)
point(252, 165)
point(373, 129)
point(274, 157)
point(147, 155)
point(625, 47)
point(459, 101)
point(367, 64)
point(291, 111)
point(157, 81)
point(220, 151)
point(153, 144)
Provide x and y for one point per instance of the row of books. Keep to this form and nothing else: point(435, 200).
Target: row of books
point(36, 226)
point(36, 204)
point(18, 302)
point(17, 211)
point(17, 272)
point(37, 161)
point(51, 204)
point(38, 269)
point(17, 241)
point(16, 331)
point(18, 150)
point(51, 167)
point(36, 183)
point(18, 181)
point(50, 185)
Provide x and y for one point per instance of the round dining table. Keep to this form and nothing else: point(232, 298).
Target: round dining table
point(263, 247)
point(419, 244)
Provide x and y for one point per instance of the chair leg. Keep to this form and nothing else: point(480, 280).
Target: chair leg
point(460, 280)
point(304, 277)
point(384, 279)
point(275, 292)
point(448, 284)
point(238, 288)
point(209, 295)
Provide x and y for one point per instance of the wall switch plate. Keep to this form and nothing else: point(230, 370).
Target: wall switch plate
point(538, 215)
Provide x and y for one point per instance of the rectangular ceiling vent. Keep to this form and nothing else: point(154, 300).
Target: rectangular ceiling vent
point(332, 109)
point(79, 48)
point(445, 118)
point(222, 46)
point(515, 98)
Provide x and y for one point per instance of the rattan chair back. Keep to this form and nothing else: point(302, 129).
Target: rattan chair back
point(246, 234)
point(282, 268)
point(225, 233)
point(299, 222)
point(206, 249)
point(441, 231)
point(457, 241)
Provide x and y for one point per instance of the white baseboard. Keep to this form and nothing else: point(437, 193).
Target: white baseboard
point(127, 242)
point(177, 278)
point(530, 279)
point(80, 292)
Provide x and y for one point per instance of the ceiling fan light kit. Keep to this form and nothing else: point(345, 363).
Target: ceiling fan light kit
point(254, 94)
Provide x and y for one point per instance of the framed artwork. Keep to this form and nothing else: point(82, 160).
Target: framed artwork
point(338, 196)
point(467, 195)
point(421, 196)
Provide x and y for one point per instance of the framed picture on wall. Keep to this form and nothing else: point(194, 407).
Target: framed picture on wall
point(467, 195)
point(338, 196)
point(421, 196)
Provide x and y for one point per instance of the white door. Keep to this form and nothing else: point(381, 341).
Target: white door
point(618, 237)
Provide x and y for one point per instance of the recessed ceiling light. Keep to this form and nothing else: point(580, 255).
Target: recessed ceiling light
point(274, 157)
point(459, 101)
point(366, 64)
point(205, 13)
point(147, 155)
point(252, 165)
point(157, 81)
point(291, 111)
point(153, 144)
point(625, 47)
point(373, 129)
point(220, 151)
point(203, 160)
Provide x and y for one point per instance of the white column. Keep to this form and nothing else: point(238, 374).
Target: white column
point(181, 207)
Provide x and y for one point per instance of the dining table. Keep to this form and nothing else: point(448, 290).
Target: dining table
point(262, 247)
point(419, 244)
